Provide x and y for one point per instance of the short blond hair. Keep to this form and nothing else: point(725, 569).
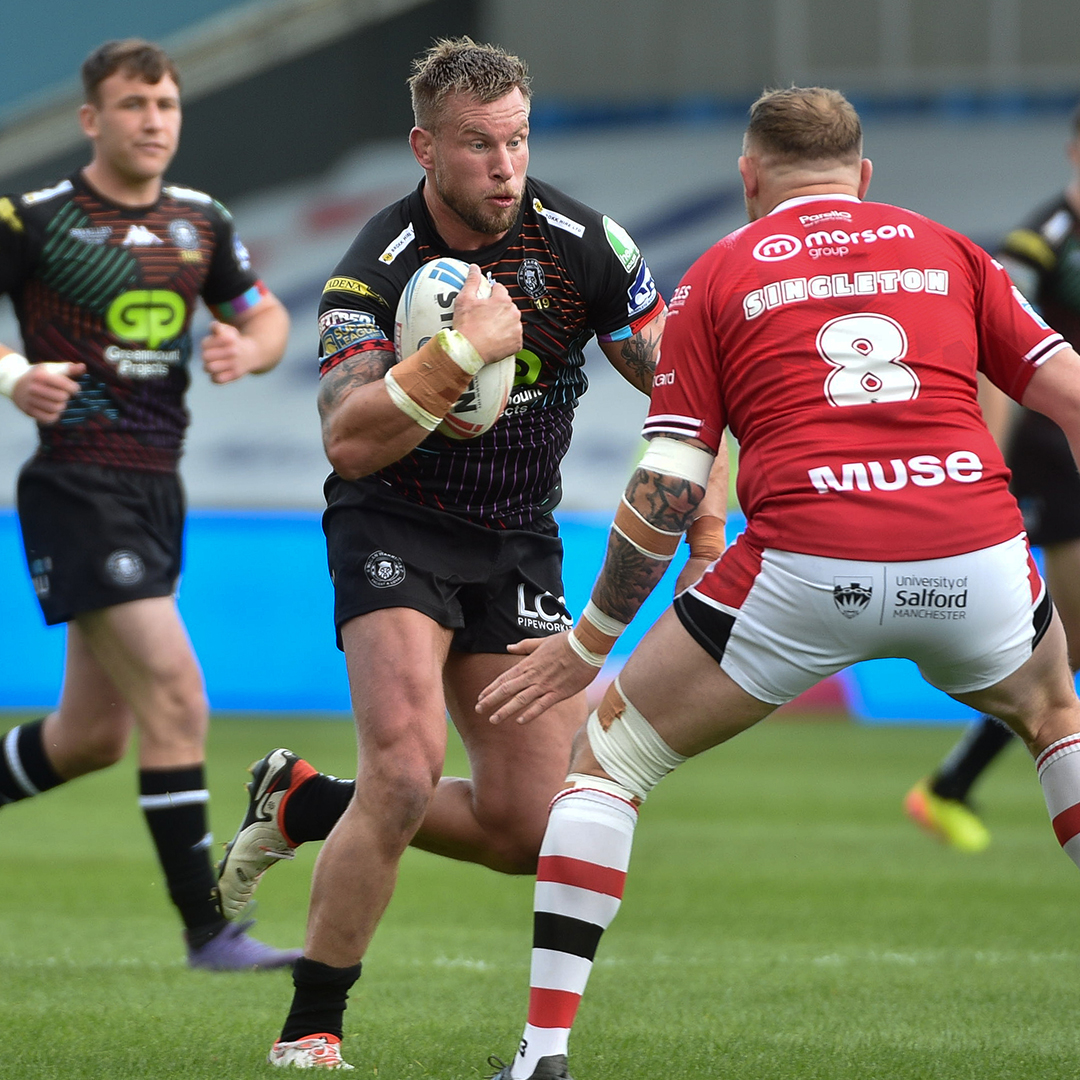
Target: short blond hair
point(461, 66)
point(804, 123)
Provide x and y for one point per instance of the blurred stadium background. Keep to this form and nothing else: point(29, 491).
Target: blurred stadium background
point(296, 116)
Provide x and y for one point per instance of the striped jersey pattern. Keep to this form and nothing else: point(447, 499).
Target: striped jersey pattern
point(560, 268)
point(115, 288)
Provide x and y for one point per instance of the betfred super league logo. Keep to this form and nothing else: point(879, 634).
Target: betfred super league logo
point(852, 597)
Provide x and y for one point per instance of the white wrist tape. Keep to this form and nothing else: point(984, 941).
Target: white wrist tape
point(595, 660)
point(673, 457)
point(460, 349)
point(13, 367)
point(428, 421)
point(595, 635)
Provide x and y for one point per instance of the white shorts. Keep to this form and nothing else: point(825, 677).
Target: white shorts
point(778, 622)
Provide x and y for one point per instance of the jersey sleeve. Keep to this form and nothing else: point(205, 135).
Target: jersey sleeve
point(231, 285)
point(14, 248)
point(356, 312)
point(620, 290)
point(1013, 338)
point(686, 396)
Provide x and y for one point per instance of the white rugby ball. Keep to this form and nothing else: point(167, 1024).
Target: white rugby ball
point(426, 307)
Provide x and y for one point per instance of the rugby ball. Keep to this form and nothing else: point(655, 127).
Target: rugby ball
point(426, 307)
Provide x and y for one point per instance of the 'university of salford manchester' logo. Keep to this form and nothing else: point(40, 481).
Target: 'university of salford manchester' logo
point(777, 247)
point(852, 597)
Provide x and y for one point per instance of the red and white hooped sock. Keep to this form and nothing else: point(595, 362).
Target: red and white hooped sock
point(1059, 774)
point(579, 885)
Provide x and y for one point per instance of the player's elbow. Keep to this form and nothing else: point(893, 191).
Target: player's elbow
point(348, 460)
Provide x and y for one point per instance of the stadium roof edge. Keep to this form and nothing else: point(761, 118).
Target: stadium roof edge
point(216, 52)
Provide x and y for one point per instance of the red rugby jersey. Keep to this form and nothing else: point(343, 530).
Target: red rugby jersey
point(840, 341)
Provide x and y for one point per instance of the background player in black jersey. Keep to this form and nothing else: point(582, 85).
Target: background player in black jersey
point(104, 269)
point(443, 551)
point(1043, 260)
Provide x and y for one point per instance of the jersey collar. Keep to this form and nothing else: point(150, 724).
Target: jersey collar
point(802, 200)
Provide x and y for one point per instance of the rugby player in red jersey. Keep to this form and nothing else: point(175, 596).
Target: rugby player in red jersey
point(840, 340)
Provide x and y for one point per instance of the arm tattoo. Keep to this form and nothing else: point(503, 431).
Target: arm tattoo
point(627, 577)
point(358, 370)
point(639, 353)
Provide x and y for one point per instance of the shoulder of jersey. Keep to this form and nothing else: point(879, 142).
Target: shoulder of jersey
point(426, 307)
point(563, 213)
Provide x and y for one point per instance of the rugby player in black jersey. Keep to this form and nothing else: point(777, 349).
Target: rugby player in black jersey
point(1043, 260)
point(105, 268)
point(443, 552)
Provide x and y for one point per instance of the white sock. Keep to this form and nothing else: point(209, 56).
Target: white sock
point(579, 885)
point(1059, 774)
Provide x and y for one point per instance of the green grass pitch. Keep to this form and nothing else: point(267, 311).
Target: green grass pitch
point(782, 921)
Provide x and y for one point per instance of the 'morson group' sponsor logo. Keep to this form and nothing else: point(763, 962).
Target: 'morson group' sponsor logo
point(777, 247)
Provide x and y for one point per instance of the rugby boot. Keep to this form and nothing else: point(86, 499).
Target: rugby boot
point(232, 949)
point(314, 1052)
point(260, 841)
point(950, 820)
point(547, 1068)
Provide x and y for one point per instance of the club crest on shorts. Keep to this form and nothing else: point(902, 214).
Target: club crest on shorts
point(125, 567)
point(852, 597)
point(384, 570)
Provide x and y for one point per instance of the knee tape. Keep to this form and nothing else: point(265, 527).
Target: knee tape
point(627, 746)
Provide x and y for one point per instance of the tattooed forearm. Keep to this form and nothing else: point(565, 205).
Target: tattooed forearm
point(665, 502)
point(626, 579)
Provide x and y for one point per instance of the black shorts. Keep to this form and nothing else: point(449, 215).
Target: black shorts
point(491, 587)
point(1045, 480)
point(96, 537)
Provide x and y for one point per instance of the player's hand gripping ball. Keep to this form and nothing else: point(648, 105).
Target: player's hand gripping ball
point(426, 307)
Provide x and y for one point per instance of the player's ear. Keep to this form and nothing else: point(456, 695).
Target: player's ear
point(749, 174)
point(866, 170)
point(421, 142)
point(88, 120)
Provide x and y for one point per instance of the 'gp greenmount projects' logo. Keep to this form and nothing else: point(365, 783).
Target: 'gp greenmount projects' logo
point(147, 317)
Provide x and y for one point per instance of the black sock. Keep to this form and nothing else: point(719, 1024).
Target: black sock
point(174, 802)
point(315, 806)
point(979, 745)
point(24, 768)
point(319, 999)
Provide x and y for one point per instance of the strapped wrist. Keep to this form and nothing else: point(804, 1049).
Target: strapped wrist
point(425, 385)
point(13, 366)
point(706, 537)
point(595, 635)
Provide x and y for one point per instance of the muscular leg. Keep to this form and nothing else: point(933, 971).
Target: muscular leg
point(987, 737)
point(395, 659)
point(89, 730)
point(691, 704)
point(497, 816)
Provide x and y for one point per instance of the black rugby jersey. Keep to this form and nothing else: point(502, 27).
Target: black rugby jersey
point(114, 288)
point(1049, 243)
point(572, 272)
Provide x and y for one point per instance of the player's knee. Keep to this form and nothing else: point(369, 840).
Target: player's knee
point(102, 746)
point(398, 789)
point(627, 747)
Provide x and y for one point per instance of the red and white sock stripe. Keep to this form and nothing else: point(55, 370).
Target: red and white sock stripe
point(579, 885)
point(1059, 774)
